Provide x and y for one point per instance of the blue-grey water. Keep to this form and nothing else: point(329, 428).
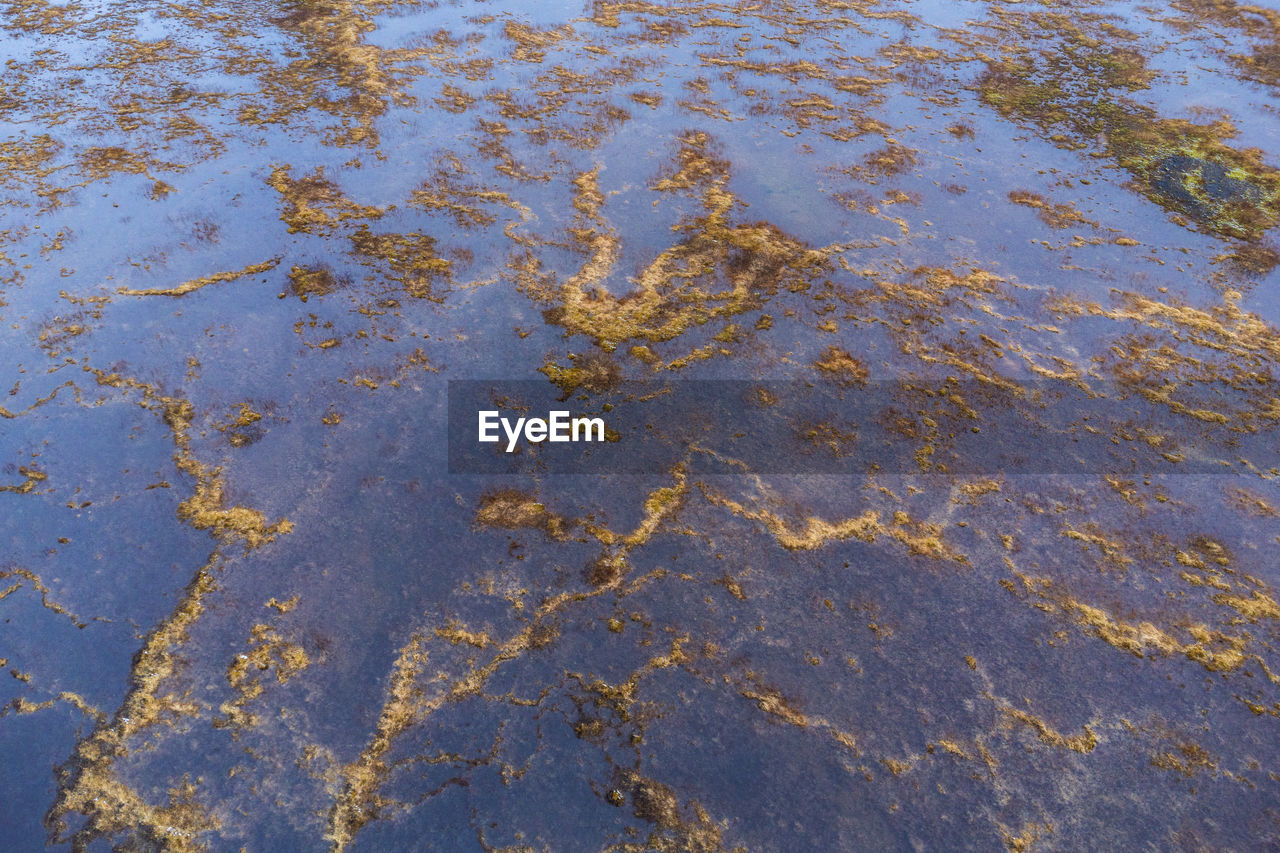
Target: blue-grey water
point(247, 603)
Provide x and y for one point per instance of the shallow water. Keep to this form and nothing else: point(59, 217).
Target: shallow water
point(249, 600)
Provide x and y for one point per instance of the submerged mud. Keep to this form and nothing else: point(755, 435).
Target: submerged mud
point(246, 603)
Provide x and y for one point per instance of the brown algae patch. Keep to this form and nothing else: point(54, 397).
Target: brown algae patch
point(30, 578)
point(207, 510)
point(595, 371)
point(306, 282)
point(405, 702)
point(1250, 261)
point(314, 204)
point(1077, 90)
point(1262, 25)
point(1051, 214)
point(780, 709)
point(408, 705)
point(890, 161)
point(411, 259)
point(530, 44)
point(268, 653)
point(676, 829)
point(22, 705)
point(32, 477)
point(88, 782)
point(919, 538)
point(716, 271)
point(1186, 758)
point(1212, 649)
point(197, 283)
point(331, 51)
point(1180, 353)
point(1082, 743)
point(511, 509)
point(466, 202)
point(840, 367)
